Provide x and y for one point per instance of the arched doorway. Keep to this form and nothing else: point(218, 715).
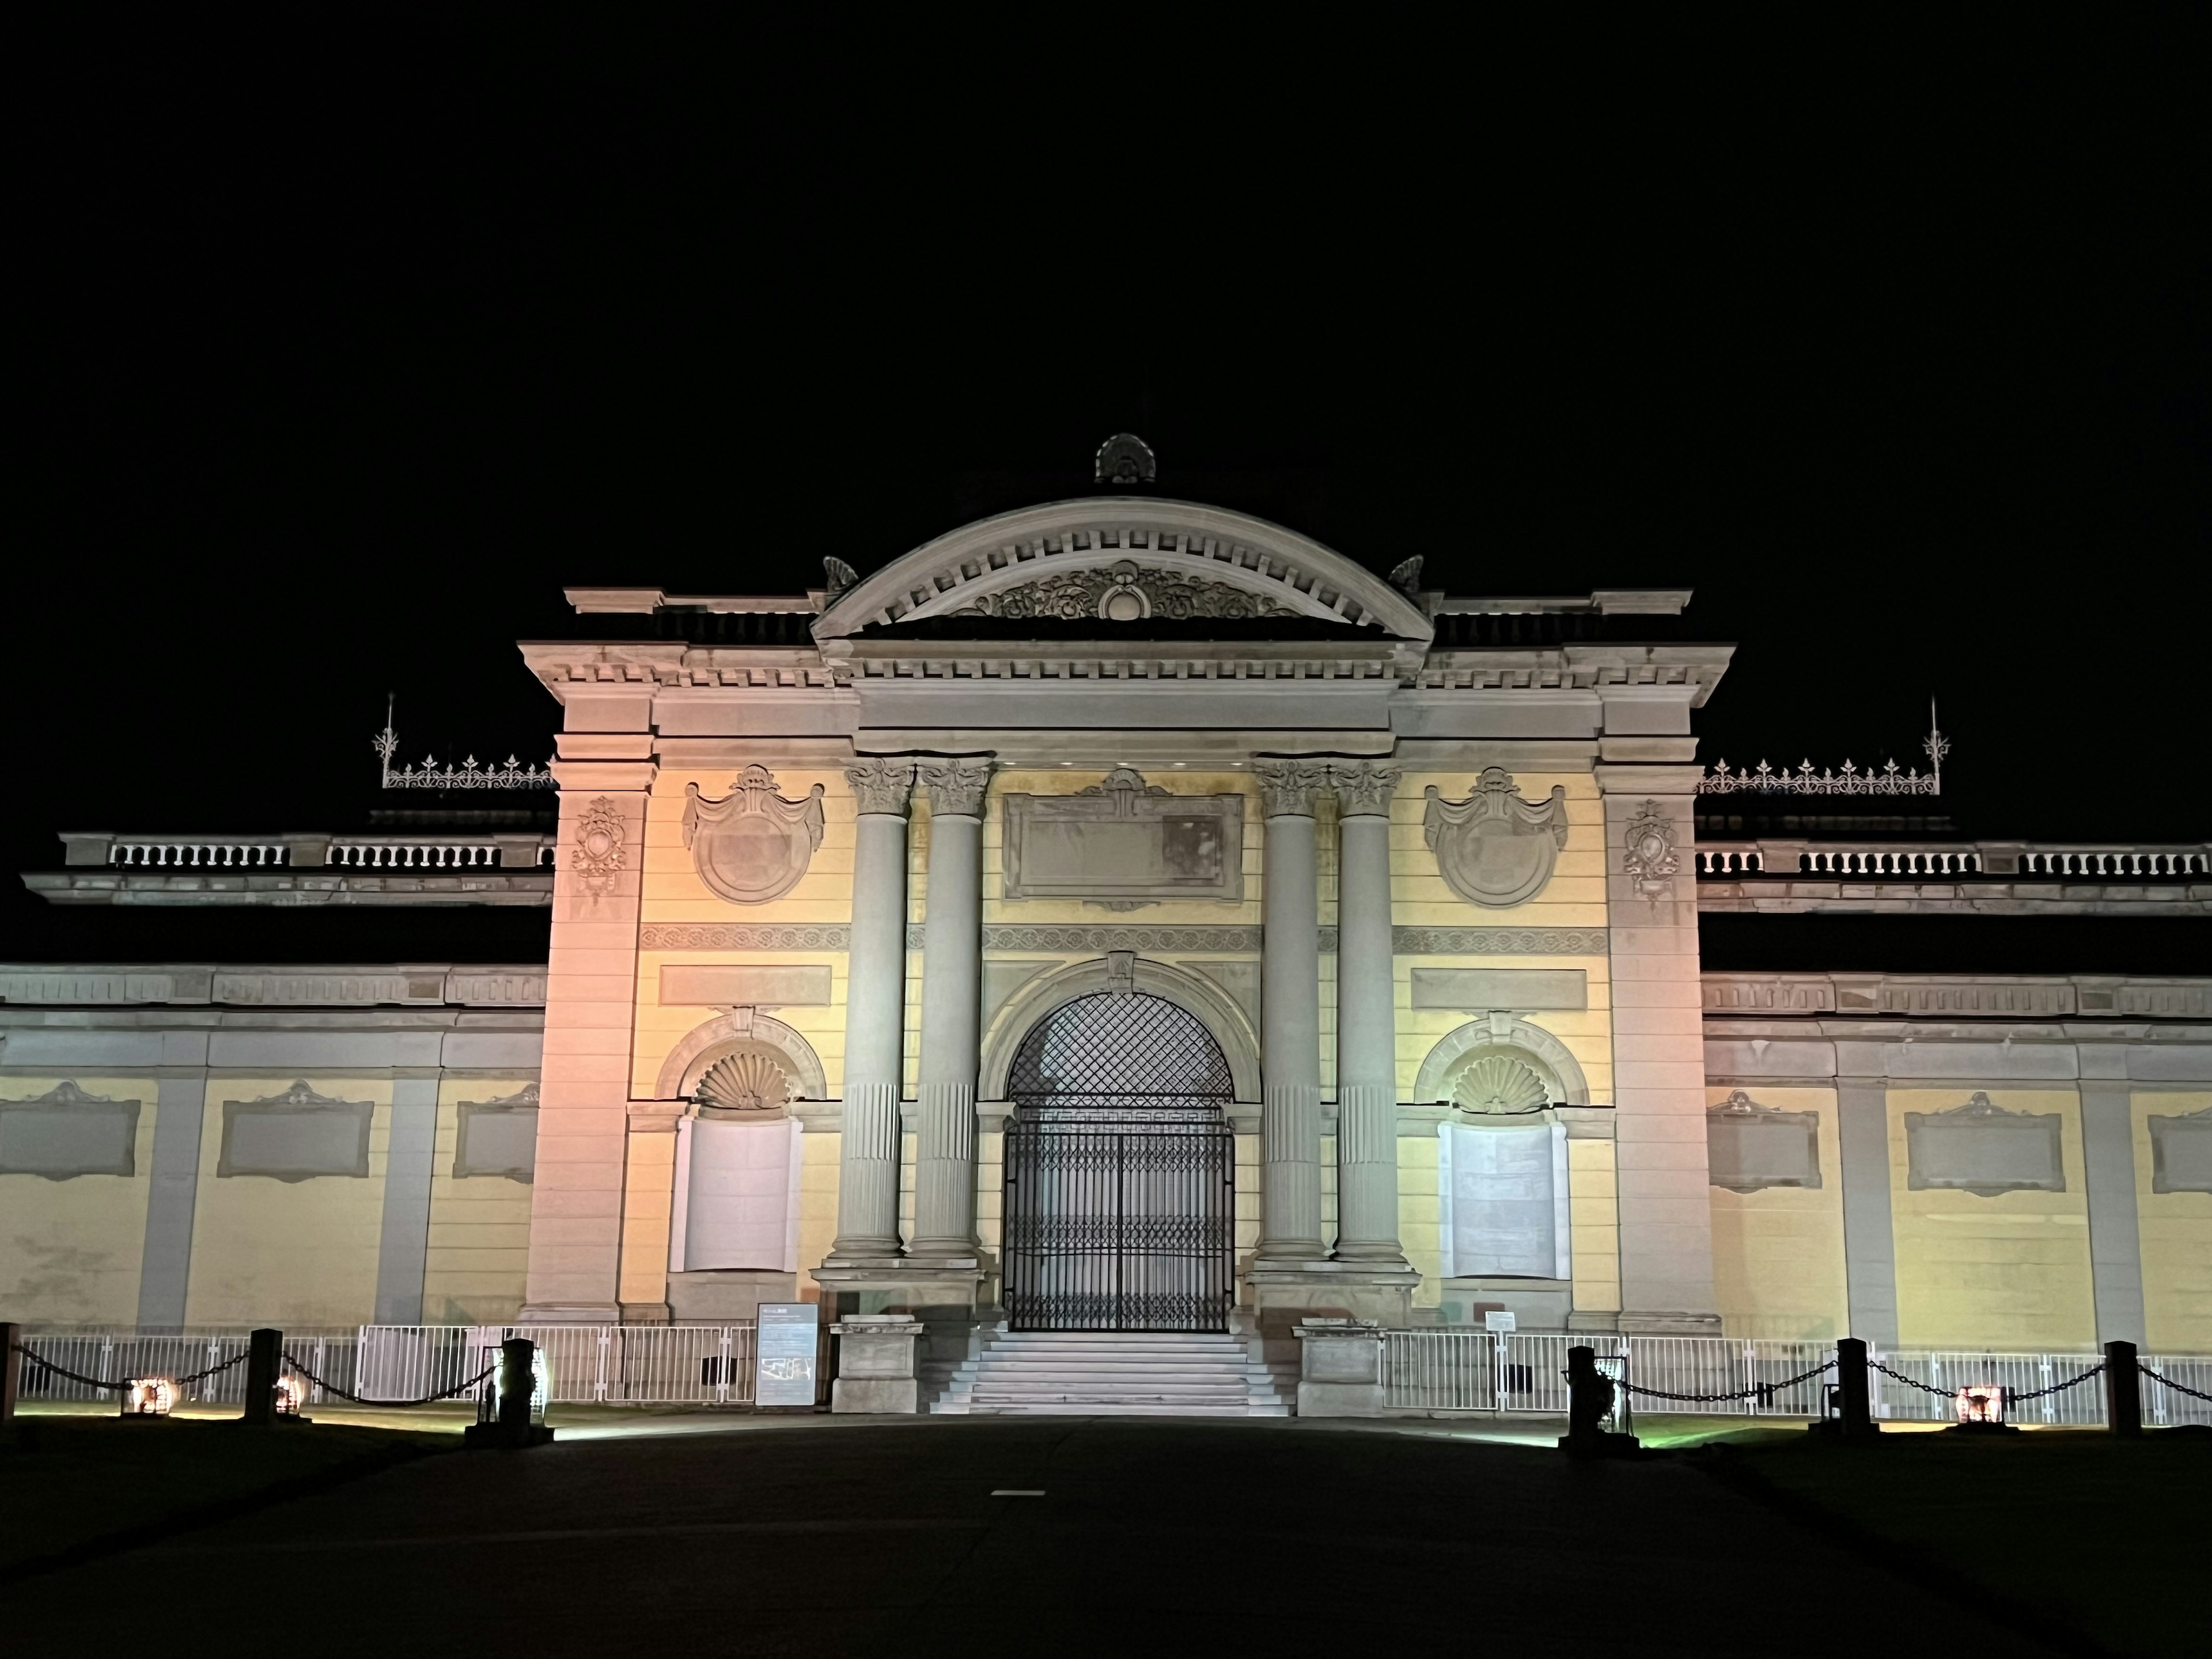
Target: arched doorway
point(1121, 1171)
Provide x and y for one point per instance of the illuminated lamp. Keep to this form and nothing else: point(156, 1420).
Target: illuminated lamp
point(1982, 1402)
point(291, 1394)
point(148, 1397)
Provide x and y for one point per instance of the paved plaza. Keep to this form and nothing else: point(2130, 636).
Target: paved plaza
point(982, 1536)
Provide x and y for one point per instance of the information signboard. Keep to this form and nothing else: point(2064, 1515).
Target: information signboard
point(789, 1335)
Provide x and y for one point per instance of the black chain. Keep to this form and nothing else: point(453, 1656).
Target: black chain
point(2016, 1394)
point(40, 1360)
point(1760, 1391)
point(1913, 1382)
point(443, 1393)
point(2168, 1382)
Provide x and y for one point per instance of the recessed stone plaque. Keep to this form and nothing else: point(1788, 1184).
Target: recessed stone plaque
point(1503, 1202)
point(1982, 1148)
point(2181, 1152)
point(296, 1136)
point(66, 1132)
point(499, 1137)
point(1477, 990)
point(1124, 842)
point(1749, 1146)
point(746, 985)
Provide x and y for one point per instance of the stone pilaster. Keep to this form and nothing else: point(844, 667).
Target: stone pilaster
point(1290, 1021)
point(1870, 1242)
point(875, 1000)
point(952, 987)
point(173, 1195)
point(403, 1243)
point(1366, 1022)
point(583, 1116)
point(2108, 1151)
point(1658, 1049)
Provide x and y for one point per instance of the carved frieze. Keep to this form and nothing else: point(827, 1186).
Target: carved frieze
point(1289, 788)
point(1494, 848)
point(66, 1132)
point(1750, 1148)
point(1046, 936)
point(1124, 591)
point(882, 784)
point(1982, 1148)
point(600, 853)
point(957, 786)
point(1649, 858)
point(2181, 1151)
point(1124, 842)
point(1363, 788)
point(751, 845)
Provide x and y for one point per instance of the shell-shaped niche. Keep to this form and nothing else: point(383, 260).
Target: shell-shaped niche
point(749, 1080)
point(1497, 1083)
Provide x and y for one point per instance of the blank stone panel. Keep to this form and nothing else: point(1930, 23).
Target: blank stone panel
point(2181, 1152)
point(1750, 1148)
point(498, 1138)
point(296, 1136)
point(64, 1134)
point(1982, 1148)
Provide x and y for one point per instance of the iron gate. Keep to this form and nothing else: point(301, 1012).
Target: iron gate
point(1120, 1172)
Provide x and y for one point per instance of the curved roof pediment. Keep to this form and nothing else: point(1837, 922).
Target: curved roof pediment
point(1197, 560)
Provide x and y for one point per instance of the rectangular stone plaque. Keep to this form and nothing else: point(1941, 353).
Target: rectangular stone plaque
point(2181, 1152)
point(66, 1134)
point(737, 1196)
point(1477, 990)
point(738, 985)
point(1749, 1146)
point(1504, 1200)
point(1982, 1148)
point(1124, 841)
point(496, 1138)
point(788, 1338)
point(295, 1138)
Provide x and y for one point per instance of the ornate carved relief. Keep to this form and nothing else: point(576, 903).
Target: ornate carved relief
point(1496, 1080)
point(1288, 788)
point(1494, 848)
point(751, 845)
point(1363, 787)
point(1124, 591)
point(1749, 1146)
point(296, 1136)
point(600, 854)
point(957, 786)
point(2181, 1152)
point(1982, 1148)
point(1123, 843)
point(882, 784)
point(499, 1137)
point(1650, 859)
point(66, 1132)
point(750, 1081)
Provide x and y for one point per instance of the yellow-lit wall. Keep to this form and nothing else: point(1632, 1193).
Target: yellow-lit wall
point(302, 1251)
point(2007, 1272)
point(71, 1250)
point(2177, 1241)
point(1778, 1253)
point(479, 1249)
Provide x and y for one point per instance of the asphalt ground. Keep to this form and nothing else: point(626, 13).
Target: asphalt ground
point(980, 1535)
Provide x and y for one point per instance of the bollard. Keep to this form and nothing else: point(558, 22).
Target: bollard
point(517, 1385)
point(2123, 1389)
point(11, 1374)
point(1852, 1392)
point(1589, 1398)
point(263, 1351)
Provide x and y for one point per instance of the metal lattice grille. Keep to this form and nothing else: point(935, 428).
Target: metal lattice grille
point(1120, 1172)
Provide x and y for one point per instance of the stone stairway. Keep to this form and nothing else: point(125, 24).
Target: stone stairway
point(1114, 1373)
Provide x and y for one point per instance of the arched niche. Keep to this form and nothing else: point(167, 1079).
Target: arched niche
point(1200, 997)
point(729, 1033)
point(1548, 1057)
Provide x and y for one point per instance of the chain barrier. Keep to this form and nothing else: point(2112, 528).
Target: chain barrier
point(2014, 1396)
point(1913, 1382)
point(45, 1364)
point(1762, 1392)
point(443, 1393)
point(2168, 1382)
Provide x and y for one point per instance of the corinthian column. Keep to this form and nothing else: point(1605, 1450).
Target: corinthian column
point(875, 1017)
point(1366, 1021)
point(951, 966)
point(1290, 1016)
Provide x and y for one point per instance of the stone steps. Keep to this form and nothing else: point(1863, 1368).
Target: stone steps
point(1104, 1373)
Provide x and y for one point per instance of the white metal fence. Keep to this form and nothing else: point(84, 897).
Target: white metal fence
point(595, 1364)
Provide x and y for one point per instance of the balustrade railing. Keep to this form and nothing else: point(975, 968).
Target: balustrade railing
point(2135, 862)
point(405, 853)
point(2001, 860)
point(526, 851)
point(198, 854)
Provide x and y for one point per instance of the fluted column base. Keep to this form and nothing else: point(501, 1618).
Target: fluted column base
point(867, 1175)
point(944, 1173)
point(1367, 1174)
point(1289, 1173)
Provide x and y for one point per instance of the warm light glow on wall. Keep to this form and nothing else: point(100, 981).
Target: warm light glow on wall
point(1981, 1403)
point(149, 1396)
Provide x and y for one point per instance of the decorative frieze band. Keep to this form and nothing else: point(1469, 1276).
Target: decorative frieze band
point(1130, 936)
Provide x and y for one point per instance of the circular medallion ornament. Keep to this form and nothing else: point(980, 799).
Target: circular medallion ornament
point(752, 845)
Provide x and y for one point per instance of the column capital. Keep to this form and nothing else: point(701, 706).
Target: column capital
point(1290, 784)
point(957, 784)
point(1363, 787)
point(883, 783)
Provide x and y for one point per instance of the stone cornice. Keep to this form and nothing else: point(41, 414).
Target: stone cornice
point(292, 889)
point(1854, 997)
point(244, 985)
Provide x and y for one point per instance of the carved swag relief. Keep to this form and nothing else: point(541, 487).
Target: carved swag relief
point(1494, 848)
point(752, 845)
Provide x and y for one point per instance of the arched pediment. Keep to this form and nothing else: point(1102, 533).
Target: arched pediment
point(1175, 544)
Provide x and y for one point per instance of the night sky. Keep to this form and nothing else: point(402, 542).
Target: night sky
point(335, 362)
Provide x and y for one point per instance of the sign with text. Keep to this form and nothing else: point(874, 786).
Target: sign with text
point(1497, 1324)
point(789, 1334)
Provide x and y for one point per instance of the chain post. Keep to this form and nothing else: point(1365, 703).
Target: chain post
point(2123, 1389)
point(11, 1373)
point(1852, 1388)
point(1590, 1397)
point(263, 1349)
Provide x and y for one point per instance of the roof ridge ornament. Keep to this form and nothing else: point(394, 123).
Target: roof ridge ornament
point(839, 576)
point(514, 775)
point(1124, 458)
point(1764, 780)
